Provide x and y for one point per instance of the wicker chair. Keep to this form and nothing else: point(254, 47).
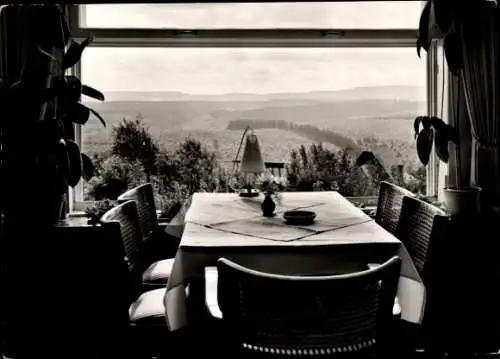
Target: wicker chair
point(423, 229)
point(158, 245)
point(268, 315)
point(389, 205)
point(155, 274)
point(420, 222)
point(146, 311)
point(146, 208)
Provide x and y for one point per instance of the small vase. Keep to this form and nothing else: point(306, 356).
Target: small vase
point(268, 206)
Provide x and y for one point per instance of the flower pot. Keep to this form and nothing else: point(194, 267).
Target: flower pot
point(268, 206)
point(462, 201)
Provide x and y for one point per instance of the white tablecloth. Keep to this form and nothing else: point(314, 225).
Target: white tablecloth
point(215, 225)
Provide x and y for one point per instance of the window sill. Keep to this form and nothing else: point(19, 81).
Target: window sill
point(365, 203)
point(76, 214)
point(79, 214)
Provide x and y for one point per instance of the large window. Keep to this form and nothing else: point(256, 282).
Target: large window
point(336, 97)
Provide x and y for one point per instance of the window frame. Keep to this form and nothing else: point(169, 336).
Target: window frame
point(127, 37)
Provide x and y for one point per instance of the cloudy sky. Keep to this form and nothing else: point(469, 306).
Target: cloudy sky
point(376, 14)
point(254, 70)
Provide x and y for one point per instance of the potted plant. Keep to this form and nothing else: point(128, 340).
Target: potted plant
point(47, 102)
point(270, 186)
point(431, 131)
point(458, 23)
point(97, 210)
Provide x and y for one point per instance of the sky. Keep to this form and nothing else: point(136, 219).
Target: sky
point(251, 70)
point(393, 14)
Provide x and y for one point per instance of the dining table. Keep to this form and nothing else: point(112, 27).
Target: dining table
point(341, 237)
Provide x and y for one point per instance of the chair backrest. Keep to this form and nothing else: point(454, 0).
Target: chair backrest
point(307, 315)
point(125, 216)
point(390, 202)
point(419, 225)
point(144, 197)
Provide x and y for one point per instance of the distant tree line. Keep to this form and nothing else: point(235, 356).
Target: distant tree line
point(314, 133)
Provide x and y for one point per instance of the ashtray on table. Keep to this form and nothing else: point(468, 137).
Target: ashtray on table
point(299, 217)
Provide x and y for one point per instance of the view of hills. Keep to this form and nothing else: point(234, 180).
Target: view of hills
point(409, 93)
point(375, 118)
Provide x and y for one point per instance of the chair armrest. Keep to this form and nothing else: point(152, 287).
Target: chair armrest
point(211, 277)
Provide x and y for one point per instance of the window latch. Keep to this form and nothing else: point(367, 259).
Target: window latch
point(185, 33)
point(333, 33)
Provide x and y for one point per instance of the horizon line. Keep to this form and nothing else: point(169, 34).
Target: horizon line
point(255, 93)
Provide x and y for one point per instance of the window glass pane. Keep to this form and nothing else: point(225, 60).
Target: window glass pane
point(349, 15)
point(347, 99)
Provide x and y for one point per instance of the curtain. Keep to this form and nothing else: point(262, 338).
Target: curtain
point(480, 80)
point(459, 169)
point(25, 198)
point(11, 54)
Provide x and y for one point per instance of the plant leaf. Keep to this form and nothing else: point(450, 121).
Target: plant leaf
point(78, 113)
point(49, 130)
point(71, 90)
point(72, 83)
point(424, 145)
point(424, 120)
point(68, 128)
point(423, 28)
point(439, 125)
point(92, 92)
point(96, 114)
point(416, 125)
point(75, 163)
point(74, 53)
point(88, 168)
point(453, 52)
point(443, 14)
point(441, 146)
point(62, 158)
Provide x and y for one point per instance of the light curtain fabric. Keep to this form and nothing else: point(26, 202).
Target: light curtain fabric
point(226, 225)
point(481, 84)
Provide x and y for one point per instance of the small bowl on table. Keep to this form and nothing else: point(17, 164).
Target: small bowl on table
point(299, 217)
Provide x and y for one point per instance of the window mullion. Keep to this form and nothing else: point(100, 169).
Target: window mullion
point(76, 193)
point(249, 38)
point(433, 106)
